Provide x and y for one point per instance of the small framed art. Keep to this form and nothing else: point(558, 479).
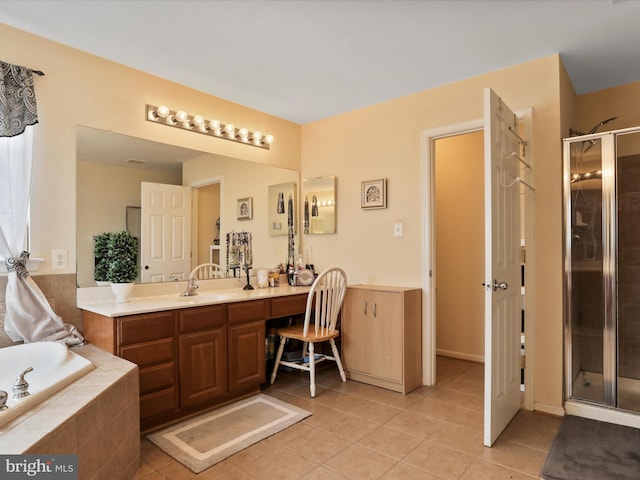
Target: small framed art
point(244, 208)
point(374, 193)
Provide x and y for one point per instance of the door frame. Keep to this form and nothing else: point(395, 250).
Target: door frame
point(428, 139)
point(219, 179)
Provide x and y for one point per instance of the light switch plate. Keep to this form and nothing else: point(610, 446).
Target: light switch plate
point(397, 229)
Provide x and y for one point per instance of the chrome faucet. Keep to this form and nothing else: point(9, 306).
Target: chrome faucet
point(21, 386)
point(192, 286)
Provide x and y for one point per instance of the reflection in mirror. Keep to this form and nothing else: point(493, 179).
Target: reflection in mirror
point(319, 213)
point(111, 167)
point(278, 201)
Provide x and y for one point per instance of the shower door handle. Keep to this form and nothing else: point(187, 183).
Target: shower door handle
point(496, 285)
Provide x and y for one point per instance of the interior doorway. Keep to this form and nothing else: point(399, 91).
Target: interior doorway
point(459, 245)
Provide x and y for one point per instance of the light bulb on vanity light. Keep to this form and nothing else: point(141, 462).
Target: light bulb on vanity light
point(257, 138)
point(244, 134)
point(268, 139)
point(198, 122)
point(182, 117)
point(230, 130)
point(215, 126)
point(162, 111)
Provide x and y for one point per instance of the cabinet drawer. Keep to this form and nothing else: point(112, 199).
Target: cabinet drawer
point(141, 328)
point(150, 352)
point(289, 305)
point(247, 311)
point(163, 401)
point(156, 378)
point(205, 318)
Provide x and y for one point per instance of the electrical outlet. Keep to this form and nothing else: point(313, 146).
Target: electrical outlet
point(397, 229)
point(59, 259)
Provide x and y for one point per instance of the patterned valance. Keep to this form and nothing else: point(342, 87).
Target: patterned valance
point(17, 99)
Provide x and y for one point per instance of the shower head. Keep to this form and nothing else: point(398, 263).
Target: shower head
point(604, 122)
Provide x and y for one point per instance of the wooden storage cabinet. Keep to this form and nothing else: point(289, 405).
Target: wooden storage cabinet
point(192, 358)
point(202, 344)
point(148, 340)
point(381, 336)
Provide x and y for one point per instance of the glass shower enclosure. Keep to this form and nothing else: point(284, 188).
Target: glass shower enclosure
point(601, 175)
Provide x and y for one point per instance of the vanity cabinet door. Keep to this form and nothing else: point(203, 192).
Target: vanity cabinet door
point(246, 355)
point(203, 366)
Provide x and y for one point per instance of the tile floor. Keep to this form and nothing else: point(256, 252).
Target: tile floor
point(358, 431)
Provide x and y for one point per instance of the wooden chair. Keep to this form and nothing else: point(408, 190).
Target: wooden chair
point(321, 315)
point(206, 271)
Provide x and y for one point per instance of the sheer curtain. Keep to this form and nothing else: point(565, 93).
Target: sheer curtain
point(28, 316)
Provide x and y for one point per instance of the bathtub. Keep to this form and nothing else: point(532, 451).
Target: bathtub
point(54, 367)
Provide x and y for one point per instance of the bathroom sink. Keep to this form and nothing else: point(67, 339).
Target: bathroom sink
point(207, 297)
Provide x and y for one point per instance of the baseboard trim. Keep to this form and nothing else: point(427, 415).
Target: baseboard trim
point(460, 355)
point(550, 409)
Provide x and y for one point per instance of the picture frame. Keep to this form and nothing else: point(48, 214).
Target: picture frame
point(244, 208)
point(373, 193)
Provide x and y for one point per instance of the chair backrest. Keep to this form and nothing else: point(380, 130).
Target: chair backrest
point(325, 300)
point(206, 271)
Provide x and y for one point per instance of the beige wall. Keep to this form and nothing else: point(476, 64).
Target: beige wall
point(459, 197)
point(81, 89)
point(384, 140)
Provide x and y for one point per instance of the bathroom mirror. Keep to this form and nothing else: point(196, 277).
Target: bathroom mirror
point(110, 168)
point(279, 212)
point(319, 205)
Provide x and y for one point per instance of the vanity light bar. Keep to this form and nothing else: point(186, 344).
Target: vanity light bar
point(197, 123)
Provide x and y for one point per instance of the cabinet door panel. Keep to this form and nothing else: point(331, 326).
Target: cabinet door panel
point(246, 355)
point(203, 318)
point(288, 305)
point(157, 377)
point(387, 332)
point(163, 401)
point(203, 367)
point(356, 333)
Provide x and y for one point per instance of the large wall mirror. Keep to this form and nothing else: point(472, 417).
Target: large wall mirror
point(319, 205)
point(111, 168)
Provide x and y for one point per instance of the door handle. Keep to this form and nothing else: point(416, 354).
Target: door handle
point(496, 285)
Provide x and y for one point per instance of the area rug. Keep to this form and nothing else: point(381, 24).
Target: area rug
point(201, 442)
point(586, 449)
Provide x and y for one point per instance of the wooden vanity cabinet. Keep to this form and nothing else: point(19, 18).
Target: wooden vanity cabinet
point(381, 336)
point(246, 329)
point(202, 346)
point(148, 340)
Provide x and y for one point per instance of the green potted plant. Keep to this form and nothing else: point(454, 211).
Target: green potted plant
point(117, 261)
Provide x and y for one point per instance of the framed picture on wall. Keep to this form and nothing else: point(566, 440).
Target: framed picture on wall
point(373, 193)
point(244, 208)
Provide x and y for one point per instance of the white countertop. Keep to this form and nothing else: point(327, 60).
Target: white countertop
point(103, 302)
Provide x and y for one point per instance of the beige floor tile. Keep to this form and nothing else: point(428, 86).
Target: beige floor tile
point(321, 415)
point(414, 424)
point(439, 460)
point(403, 471)
point(154, 475)
point(350, 427)
point(374, 412)
point(360, 463)
point(318, 446)
point(254, 452)
point(323, 473)
point(459, 438)
point(294, 432)
point(176, 471)
point(482, 470)
point(518, 457)
point(282, 465)
point(345, 402)
point(535, 430)
point(224, 471)
point(451, 395)
point(388, 441)
point(152, 455)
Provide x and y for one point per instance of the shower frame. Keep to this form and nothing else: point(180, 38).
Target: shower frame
point(581, 406)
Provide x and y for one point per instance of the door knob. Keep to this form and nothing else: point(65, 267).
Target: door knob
point(496, 285)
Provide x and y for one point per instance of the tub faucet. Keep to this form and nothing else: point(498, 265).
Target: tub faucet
point(21, 386)
point(192, 286)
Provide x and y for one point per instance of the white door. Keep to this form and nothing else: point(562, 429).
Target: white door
point(502, 268)
point(165, 246)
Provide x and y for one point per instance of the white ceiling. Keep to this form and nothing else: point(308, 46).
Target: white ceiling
point(309, 59)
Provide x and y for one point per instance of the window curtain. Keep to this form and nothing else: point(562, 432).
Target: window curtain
point(28, 315)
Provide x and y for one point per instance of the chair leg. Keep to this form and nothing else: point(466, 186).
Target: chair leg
point(312, 370)
point(334, 349)
point(278, 357)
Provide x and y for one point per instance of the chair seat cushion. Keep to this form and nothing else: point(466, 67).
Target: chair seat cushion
point(296, 332)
